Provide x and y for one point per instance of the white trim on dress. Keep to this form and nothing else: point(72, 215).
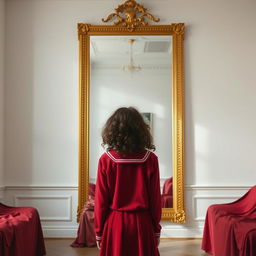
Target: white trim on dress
point(123, 160)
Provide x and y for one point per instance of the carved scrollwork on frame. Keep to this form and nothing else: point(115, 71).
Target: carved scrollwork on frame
point(174, 216)
point(83, 28)
point(131, 15)
point(179, 217)
point(179, 28)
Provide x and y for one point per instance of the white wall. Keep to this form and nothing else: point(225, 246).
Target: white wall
point(2, 43)
point(41, 99)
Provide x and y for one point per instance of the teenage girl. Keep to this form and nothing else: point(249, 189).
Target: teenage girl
point(127, 199)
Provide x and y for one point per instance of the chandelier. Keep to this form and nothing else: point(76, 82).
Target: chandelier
point(131, 67)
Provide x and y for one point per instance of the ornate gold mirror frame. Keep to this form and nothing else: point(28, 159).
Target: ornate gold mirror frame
point(131, 20)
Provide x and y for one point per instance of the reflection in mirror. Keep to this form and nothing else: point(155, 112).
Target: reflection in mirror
point(133, 71)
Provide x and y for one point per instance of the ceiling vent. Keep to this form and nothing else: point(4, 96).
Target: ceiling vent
point(157, 46)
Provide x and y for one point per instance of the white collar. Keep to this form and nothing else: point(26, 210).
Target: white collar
point(128, 160)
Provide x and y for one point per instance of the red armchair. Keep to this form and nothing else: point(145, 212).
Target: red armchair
point(230, 229)
point(167, 194)
point(20, 232)
point(85, 233)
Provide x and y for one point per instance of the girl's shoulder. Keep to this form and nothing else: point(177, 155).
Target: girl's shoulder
point(153, 155)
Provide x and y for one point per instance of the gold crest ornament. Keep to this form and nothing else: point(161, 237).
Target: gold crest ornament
point(131, 15)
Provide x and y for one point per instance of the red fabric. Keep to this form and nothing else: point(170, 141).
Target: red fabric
point(128, 204)
point(230, 228)
point(167, 201)
point(167, 195)
point(250, 243)
point(167, 188)
point(20, 232)
point(92, 188)
point(86, 234)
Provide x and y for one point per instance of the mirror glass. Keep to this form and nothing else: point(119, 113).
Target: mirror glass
point(133, 71)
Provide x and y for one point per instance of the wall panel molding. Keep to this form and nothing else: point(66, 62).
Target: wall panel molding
point(217, 187)
point(56, 205)
point(63, 224)
point(35, 202)
point(2, 190)
point(217, 199)
point(40, 187)
point(197, 200)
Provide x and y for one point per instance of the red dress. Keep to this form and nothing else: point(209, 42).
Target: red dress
point(128, 204)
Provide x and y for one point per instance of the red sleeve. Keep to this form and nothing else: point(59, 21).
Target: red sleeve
point(155, 199)
point(101, 206)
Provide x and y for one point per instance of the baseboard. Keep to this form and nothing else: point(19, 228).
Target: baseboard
point(71, 232)
point(60, 232)
point(182, 232)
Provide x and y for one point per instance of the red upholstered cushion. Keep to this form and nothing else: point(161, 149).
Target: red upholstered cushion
point(230, 228)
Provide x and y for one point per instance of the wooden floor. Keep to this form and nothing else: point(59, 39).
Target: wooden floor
point(177, 247)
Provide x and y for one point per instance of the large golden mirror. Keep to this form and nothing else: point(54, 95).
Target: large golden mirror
point(134, 64)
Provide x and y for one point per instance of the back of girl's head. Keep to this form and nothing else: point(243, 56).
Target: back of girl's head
point(126, 132)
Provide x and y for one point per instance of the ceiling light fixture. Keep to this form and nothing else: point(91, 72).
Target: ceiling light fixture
point(131, 67)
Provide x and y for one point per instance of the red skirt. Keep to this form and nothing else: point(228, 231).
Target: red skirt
point(128, 233)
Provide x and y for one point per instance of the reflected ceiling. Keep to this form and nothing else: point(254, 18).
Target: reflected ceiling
point(148, 51)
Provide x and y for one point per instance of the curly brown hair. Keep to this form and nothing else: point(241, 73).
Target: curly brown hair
point(126, 132)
